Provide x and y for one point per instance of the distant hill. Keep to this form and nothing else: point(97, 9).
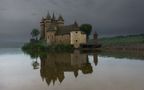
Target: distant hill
point(130, 42)
point(122, 40)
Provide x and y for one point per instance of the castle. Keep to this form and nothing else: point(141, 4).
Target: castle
point(53, 31)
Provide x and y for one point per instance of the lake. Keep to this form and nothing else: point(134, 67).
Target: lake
point(71, 71)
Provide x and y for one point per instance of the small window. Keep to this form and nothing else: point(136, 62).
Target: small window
point(76, 40)
point(76, 32)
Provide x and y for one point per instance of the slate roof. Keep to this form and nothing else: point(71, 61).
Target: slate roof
point(60, 18)
point(48, 16)
point(64, 30)
point(67, 29)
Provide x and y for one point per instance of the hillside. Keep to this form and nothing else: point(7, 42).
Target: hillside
point(130, 42)
point(122, 40)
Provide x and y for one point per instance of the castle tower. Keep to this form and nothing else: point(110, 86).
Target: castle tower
point(42, 25)
point(95, 35)
point(60, 21)
point(47, 22)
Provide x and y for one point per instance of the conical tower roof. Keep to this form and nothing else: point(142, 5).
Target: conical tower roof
point(60, 18)
point(53, 17)
point(48, 16)
point(76, 24)
point(48, 81)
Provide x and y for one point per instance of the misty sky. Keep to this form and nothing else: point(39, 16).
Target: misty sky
point(108, 17)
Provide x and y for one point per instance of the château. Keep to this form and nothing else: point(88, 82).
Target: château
point(53, 31)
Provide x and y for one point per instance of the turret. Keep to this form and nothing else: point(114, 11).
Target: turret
point(60, 21)
point(95, 35)
point(42, 25)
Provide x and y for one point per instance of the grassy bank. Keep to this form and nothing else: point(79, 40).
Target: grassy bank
point(130, 42)
point(122, 40)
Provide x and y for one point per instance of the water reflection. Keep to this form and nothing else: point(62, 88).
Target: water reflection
point(35, 64)
point(132, 55)
point(54, 65)
point(110, 73)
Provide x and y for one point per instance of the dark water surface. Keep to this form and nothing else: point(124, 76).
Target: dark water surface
point(64, 71)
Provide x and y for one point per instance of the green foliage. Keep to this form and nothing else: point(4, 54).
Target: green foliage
point(35, 33)
point(87, 28)
point(35, 49)
point(122, 40)
point(87, 68)
point(41, 49)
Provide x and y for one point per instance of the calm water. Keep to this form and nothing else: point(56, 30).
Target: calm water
point(75, 71)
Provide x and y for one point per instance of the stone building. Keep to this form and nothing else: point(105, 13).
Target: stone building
point(53, 31)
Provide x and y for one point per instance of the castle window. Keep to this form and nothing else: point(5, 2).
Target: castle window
point(76, 32)
point(76, 40)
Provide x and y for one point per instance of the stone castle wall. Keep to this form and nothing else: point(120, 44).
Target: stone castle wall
point(63, 39)
point(77, 38)
point(50, 37)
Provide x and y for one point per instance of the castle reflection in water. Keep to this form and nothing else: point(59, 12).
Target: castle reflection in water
point(54, 65)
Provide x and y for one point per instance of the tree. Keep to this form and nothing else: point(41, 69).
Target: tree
point(87, 28)
point(35, 33)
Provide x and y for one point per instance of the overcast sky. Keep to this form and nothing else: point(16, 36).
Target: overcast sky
point(108, 17)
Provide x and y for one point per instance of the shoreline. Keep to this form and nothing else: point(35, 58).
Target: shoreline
point(134, 47)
